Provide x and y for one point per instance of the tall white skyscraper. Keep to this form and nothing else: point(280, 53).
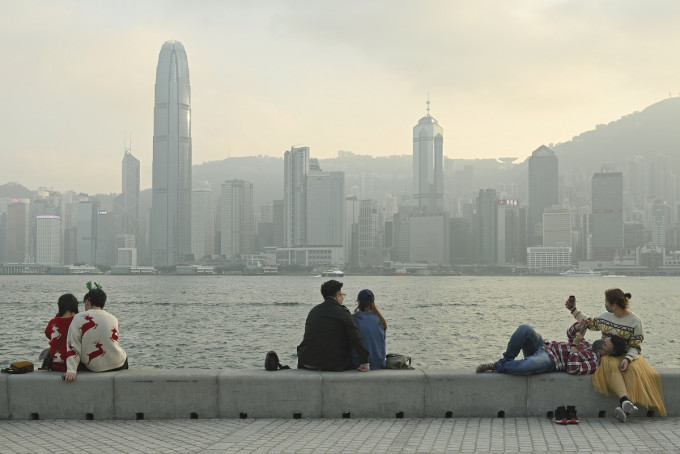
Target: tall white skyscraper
point(48, 240)
point(202, 223)
point(428, 163)
point(296, 167)
point(238, 223)
point(171, 186)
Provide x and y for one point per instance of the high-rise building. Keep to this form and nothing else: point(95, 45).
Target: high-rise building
point(48, 240)
point(86, 231)
point(105, 239)
point(487, 211)
point(370, 234)
point(238, 223)
point(557, 226)
point(202, 223)
point(171, 186)
point(508, 242)
point(543, 191)
point(127, 203)
point(325, 213)
point(428, 163)
point(17, 235)
point(607, 219)
point(295, 169)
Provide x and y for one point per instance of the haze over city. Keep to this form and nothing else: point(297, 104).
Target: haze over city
point(503, 78)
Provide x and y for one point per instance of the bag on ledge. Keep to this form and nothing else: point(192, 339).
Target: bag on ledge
point(19, 367)
point(271, 362)
point(396, 361)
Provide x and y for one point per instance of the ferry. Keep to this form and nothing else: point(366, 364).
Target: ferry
point(580, 272)
point(332, 273)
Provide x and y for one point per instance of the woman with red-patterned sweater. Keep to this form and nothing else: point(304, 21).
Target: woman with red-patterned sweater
point(57, 330)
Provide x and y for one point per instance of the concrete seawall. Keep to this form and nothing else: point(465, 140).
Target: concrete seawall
point(201, 393)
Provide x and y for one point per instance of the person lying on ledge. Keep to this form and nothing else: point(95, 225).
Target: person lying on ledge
point(576, 356)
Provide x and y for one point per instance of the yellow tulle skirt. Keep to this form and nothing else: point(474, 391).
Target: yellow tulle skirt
point(642, 382)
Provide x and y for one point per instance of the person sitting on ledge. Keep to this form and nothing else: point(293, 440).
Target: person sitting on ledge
point(330, 331)
point(577, 356)
point(93, 338)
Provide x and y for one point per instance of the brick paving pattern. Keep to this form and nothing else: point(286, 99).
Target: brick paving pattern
point(340, 435)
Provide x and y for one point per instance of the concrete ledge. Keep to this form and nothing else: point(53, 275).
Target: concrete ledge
point(165, 394)
point(263, 394)
point(190, 393)
point(457, 394)
point(44, 395)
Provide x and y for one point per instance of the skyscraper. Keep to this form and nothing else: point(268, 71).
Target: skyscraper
point(295, 169)
point(428, 163)
point(202, 223)
point(127, 204)
point(238, 223)
point(542, 191)
point(171, 186)
point(607, 216)
point(48, 241)
point(325, 194)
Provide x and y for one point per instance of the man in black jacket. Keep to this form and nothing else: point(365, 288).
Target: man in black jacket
point(330, 330)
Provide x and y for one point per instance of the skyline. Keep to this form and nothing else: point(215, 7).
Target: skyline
point(331, 77)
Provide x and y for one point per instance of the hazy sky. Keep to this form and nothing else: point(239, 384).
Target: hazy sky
point(503, 77)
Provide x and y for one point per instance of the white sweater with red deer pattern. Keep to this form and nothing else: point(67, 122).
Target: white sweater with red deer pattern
point(93, 340)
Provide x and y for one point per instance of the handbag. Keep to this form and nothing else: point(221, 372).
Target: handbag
point(19, 367)
point(397, 361)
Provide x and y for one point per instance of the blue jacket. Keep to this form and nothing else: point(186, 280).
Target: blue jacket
point(374, 339)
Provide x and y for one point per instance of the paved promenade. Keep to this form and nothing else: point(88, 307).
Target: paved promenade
point(640, 434)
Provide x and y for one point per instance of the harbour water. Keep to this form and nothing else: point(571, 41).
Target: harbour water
point(221, 322)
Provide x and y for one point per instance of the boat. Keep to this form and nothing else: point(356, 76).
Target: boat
point(332, 273)
point(580, 272)
point(402, 272)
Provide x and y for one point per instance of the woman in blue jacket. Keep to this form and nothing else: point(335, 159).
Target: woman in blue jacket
point(372, 325)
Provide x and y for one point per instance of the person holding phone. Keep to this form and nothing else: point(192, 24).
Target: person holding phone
point(627, 375)
point(576, 356)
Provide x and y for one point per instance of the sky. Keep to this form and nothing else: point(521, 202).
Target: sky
point(502, 77)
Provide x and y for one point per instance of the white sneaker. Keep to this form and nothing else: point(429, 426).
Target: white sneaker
point(620, 414)
point(629, 407)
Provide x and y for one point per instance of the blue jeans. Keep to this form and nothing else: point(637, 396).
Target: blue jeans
point(536, 359)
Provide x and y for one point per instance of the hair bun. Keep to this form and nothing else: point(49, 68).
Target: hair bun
point(628, 295)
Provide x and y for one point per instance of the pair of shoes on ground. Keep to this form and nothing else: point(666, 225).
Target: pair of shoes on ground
point(566, 415)
point(627, 407)
point(486, 367)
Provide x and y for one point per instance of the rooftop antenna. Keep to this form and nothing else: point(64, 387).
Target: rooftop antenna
point(428, 103)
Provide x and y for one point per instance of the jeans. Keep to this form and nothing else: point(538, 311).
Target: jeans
point(536, 359)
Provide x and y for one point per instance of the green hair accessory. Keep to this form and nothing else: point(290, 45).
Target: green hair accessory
point(89, 285)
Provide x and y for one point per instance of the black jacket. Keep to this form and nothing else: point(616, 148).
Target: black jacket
point(330, 330)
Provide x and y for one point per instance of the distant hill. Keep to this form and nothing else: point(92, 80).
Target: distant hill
point(653, 131)
point(15, 190)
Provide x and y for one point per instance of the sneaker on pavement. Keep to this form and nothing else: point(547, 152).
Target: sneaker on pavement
point(629, 407)
point(561, 415)
point(571, 414)
point(486, 367)
point(620, 414)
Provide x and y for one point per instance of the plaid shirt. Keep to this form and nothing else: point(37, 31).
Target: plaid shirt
point(582, 362)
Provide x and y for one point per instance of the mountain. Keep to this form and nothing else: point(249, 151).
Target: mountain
point(15, 190)
point(651, 132)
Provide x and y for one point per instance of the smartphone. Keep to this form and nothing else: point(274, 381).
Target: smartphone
point(572, 301)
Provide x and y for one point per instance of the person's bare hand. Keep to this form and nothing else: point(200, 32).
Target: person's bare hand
point(624, 364)
point(69, 377)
